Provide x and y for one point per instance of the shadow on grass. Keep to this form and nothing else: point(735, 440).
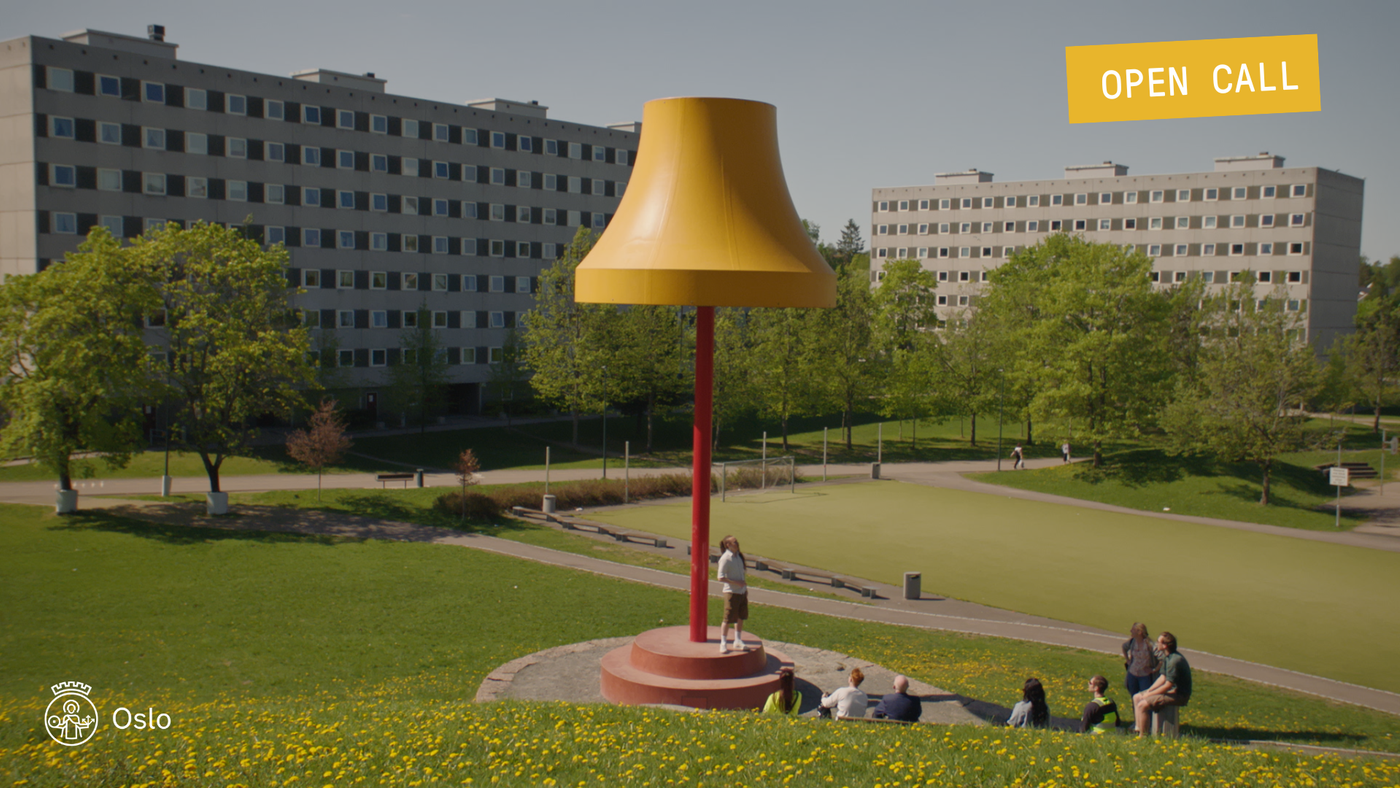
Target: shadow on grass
point(176, 534)
point(1320, 738)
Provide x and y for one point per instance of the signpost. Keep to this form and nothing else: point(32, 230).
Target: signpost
point(1339, 477)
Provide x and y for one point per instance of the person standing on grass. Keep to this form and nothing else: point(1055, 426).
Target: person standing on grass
point(1019, 456)
point(899, 705)
point(1100, 714)
point(1172, 688)
point(849, 701)
point(1064, 451)
point(1031, 711)
point(786, 700)
point(1140, 660)
point(736, 594)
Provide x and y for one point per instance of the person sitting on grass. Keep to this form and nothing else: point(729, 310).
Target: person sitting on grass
point(786, 700)
point(1032, 711)
point(1100, 714)
point(848, 701)
point(1172, 688)
point(899, 705)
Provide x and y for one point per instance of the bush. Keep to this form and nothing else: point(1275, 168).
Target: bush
point(609, 492)
point(478, 506)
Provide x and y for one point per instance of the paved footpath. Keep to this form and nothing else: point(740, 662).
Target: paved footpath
point(929, 612)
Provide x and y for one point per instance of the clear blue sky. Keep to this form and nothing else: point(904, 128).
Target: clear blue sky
point(868, 94)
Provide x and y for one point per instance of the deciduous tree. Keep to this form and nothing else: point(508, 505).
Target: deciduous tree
point(322, 443)
point(845, 347)
point(418, 382)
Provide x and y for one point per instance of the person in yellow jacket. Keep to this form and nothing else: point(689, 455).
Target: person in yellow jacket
point(1101, 713)
point(786, 700)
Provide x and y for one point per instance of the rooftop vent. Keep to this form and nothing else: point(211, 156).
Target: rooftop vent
point(155, 32)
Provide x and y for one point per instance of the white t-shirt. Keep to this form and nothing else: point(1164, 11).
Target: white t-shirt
point(731, 573)
point(848, 701)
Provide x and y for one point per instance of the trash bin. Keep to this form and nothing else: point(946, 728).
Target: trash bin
point(418, 477)
point(874, 470)
point(548, 504)
point(913, 585)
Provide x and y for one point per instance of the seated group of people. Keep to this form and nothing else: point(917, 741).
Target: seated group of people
point(849, 701)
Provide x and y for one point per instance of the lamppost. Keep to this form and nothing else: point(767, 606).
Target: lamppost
point(1001, 410)
point(605, 421)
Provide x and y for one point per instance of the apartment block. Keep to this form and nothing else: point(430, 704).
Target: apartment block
point(386, 203)
point(1250, 219)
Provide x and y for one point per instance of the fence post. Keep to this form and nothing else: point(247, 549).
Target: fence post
point(763, 465)
point(723, 476)
point(546, 470)
point(626, 469)
point(824, 429)
point(792, 475)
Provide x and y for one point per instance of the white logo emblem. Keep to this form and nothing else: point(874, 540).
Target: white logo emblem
point(71, 719)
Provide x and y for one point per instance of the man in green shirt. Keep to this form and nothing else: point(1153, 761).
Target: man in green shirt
point(1172, 688)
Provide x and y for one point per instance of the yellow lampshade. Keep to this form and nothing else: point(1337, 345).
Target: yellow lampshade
point(707, 219)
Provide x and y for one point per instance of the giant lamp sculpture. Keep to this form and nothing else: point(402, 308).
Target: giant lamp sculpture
point(706, 221)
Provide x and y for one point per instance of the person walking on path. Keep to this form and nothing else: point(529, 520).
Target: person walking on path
point(786, 700)
point(1172, 688)
point(736, 594)
point(1140, 660)
point(849, 701)
point(899, 705)
point(1064, 451)
point(1100, 714)
point(1019, 456)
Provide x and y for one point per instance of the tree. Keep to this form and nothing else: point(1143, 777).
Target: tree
point(850, 244)
point(235, 348)
point(559, 337)
point(75, 360)
point(904, 322)
point(966, 367)
point(1255, 372)
point(322, 443)
point(466, 467)
point(1372, 354)
point(845, 347)
point(644, 349)
point(508, 371)
point(1086, 324)
point(419, 380)
point(782, 341)
point(734, 390)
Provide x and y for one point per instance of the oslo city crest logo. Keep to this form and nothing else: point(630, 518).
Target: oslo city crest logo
point(71, 719)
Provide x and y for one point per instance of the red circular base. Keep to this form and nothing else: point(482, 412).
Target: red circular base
point(664, 666)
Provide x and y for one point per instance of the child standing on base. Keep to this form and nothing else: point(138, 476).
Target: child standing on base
point(736, 594)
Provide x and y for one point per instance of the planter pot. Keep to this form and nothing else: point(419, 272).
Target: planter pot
point(165, 486)
point(66, 502)
point(216, 503)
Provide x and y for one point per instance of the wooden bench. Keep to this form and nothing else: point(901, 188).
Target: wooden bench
point(384, 478)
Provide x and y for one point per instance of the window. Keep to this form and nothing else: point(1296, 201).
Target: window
point(345, 239)
point(522, 214)
point(1010, 202)
point(410, 244)
point(525, 144)
point(1296, 219)
point(599, 221)
point(1105, 224)
point(1208, 250)
point(237, 190)
point(498, 176)
point(440, 244)
point(1212, 194)
point(310, 156)
point(274, 110)
point(498, 141)
point(441, 170)
point(1081, 199)
point(410, 316)
point(310, 114)
point(1268, 192)
point(1183, 222)
point(344, 119)
point(987, 227)
point(1033, 200)
point(236, 105)
point(410, 128)
point(109, 180)
point(345, 159)
point(962, 300)
point(522, 284)
point(1180, 251)
point(410, 282)
point(1130, 198)
point(965, 251)
point(522, 179)
point(1295, 248)
point(1155, 223)
point(311, 196)
point(379, 202)
point(1266, 277)
point(1183, 195)
point(237, 148)
point(986, 252)
point(901, 253)
point(903, 229)
point(965, 227)
point(1236, 250)
point(152, 91)
point(345, 199)
point(923, 229)
point(63, 128)
point(1299, 190)
point(153, 183)
point(112, 86)
point(1266, 220)
point(622, 159)
point(498, 320)
point(600, 153)
point(65, 175)
point(1179, 276)
point(65, 223)
point(498, 284)
point(943, 228)
point(1208, 277)
point(1157, 196)
point(1057, 199)
point(943, 252)
point(551, 147)
point(1295, 276)
point(575, 150)
point(1237, 220)
point(967, 202)
point(1239, 193)
point(409, 167)
point(275, 235)
point(440, 208)
point(944, 205)
point(551, 183)
point(377, 356)
point(1032, 226)
point(1079, 224)
point(1105, 198)
point(275, 151)
point(598, 188)
point(498, 212)
point(345, 318)
point(987, 202)
point(1056, 225)
point(1208, 222)
point(345, 358)
point(113, 224)
point(1154, 250)
point(409, 206)
point(378, 124)
point(550, 252)
point(1266, 248)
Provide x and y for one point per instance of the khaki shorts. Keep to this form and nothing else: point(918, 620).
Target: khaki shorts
point(1168, 699)
point(736, 608)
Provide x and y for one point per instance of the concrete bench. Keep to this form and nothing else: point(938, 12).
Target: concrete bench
point(797, 575)
point(579, 525)
point(623, 536)
point(384, 478)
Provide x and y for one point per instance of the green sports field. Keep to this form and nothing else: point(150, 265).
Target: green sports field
point(1314, 607)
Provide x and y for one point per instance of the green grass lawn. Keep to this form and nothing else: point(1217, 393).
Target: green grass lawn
point(1154, 481)
point(151, 465)
point(324, 660)
point(1236, 593)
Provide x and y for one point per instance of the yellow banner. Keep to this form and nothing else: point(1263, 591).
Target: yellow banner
point(1192, 79)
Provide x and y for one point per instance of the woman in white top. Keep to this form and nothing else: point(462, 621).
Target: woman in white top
point(848, 701)
point(736, 594)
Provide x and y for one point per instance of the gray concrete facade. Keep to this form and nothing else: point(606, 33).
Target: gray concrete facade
point(1298, 228)
point(385, 202)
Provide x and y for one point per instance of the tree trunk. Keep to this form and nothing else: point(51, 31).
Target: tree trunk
point(574, 414)
point(973, 421)
point(65, 480)
point(1376, 425)
point(914, 434)
point(318, 485)
point(785, 443)
point(651, 417)
point(1098, 453)
point(212, 470)
point(1268, 469)
point(1030, 437)
point(848, 421)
